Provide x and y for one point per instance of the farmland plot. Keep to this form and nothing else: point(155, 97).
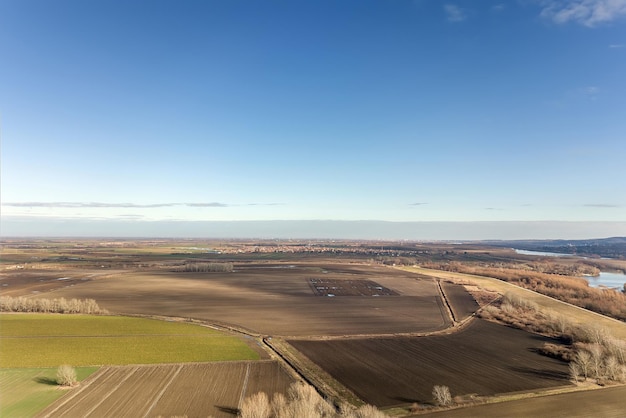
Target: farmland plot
point(277, 299)
point(461, 301)
point(484, 359)
point(192, 390)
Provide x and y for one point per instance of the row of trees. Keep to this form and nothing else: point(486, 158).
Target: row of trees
point(207, 268)
point(61, 305)
point(302, 400)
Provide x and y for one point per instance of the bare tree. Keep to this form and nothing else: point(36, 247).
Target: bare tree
point(574, 371)
point(597, 353)
point(442, 395)
point(66, 375)
point(583, 361)
point(256, 406)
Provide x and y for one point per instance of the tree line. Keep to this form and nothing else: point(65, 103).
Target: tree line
point(60, 305)
point(206, 268)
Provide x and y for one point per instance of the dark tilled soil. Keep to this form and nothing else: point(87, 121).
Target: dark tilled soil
point(484, 359)
point(461, 302)
point(273, 300)
point(605, 403)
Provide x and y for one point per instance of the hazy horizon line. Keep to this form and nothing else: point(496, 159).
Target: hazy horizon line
point(311, 229)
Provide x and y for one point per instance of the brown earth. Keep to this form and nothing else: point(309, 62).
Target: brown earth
point(192, 390)
point(484, 358)
point(603, 403)
point(461, 301)
point(273, 299)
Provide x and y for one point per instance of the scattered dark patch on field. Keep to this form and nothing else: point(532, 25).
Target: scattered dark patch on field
point(461, 301)
point(483, 359)
point(335, 287)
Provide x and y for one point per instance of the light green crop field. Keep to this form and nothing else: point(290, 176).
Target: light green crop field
point(27, 391)
point(45, 340)
point(90, 325)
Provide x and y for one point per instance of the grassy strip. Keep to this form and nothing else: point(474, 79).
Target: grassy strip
point(89, 325)
point(106, 344)
point(25, 392)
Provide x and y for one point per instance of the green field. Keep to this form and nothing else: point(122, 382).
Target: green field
point(27, 391)
point(32, 346)
point(44, 340)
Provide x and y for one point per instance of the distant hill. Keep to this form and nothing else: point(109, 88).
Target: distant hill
point(614, 247)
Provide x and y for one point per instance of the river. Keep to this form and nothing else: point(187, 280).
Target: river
point(605, 279)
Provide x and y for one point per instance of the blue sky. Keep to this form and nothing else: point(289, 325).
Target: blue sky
point(391, 110)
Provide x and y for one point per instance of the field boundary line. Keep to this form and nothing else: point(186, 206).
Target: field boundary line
point(160, 395)
point(244, 387)
point(109, 393)
point(446, 302)
point(83, 386)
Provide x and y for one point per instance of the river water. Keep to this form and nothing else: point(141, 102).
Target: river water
point(605, 279)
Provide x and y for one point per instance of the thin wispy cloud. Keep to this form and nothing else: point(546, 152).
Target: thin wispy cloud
point(99, 205)
point(613, 46)
point(591, 92)
point(208, 205)
point(454, 13)
point(83, 205)
point(418, 204)
point(589, 13)
point(601, 205)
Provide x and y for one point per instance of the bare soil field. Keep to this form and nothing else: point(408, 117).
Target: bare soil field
point(192, 390)
point(33, 281)
point(461, 302)
point(604, 403)
point(274, 299)
point(484, 359)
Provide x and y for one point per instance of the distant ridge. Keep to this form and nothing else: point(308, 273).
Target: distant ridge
point(613, 247)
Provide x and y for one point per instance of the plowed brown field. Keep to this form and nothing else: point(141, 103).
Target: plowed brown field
point(192, 390)
point(484, 358)
point(603, 403)
point(461, 302)
point(274, 299)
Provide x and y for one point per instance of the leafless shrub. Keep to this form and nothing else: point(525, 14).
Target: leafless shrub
point(574, 371)
point(442, 396)
point(256, 406)
point(557, 351)
point(66, 375)
point(583, 362)
point(280, 407)
point(616, 348)
point(369, 411)
point(302, 400)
